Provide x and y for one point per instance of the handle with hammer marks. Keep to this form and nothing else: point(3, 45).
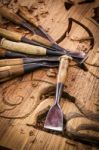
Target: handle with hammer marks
point(22, 47)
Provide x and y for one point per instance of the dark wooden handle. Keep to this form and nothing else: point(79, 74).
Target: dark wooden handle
point(5, 12)
point(2, 52)
point(10, 71)
point(10, 35)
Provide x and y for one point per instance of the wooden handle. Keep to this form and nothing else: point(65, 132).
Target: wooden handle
point(5, 79)
point(10, 35)
point(11, 62)
point(2, 52)
point(63, 68)
point(25, 14)
point(5, 12)
point(41, 40)
point(23, 47)
point(10, 54)
point(10, 71)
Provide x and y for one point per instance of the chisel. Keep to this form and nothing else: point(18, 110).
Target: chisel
point(11, 35)
point(17, 70)
point(21, 61)
point(27, 48)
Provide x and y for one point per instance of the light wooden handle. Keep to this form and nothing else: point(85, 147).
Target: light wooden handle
point(11, 62)
point(10, 71)
point(5, 79)
point(10, 35)
point(63, 68)
point(41, 40)
point(23, 47)
point(5, 12)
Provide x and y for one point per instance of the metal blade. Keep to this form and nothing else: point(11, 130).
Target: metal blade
point(54, 119)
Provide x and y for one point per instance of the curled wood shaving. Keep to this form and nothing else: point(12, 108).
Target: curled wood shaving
point(81, 39)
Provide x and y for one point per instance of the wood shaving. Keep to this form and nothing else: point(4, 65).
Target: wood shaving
point(81, 39)
point(40, 1)
point(51, 73)
point(22, 131)
point(28, 4)
point(6, 2)
point(34, 84)
point(44, 13)
point(70, 142)
point(14, 6)
point(31, 133)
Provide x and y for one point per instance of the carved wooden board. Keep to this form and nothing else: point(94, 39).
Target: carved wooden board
point(21, 96)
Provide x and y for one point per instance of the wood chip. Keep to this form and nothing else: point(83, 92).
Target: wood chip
point(51, 73)
point(22, 131)
point(40, 1)
point(31, 133)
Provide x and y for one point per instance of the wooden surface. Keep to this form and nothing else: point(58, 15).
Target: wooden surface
point(24, 95)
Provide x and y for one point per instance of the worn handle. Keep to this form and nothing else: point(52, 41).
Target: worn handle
point(10, 71)
point(10, 35)
point(63, 68)
point(41, 40)
point(11, 62)
point(5, 79)
point(23, 47)
point(5, 12)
